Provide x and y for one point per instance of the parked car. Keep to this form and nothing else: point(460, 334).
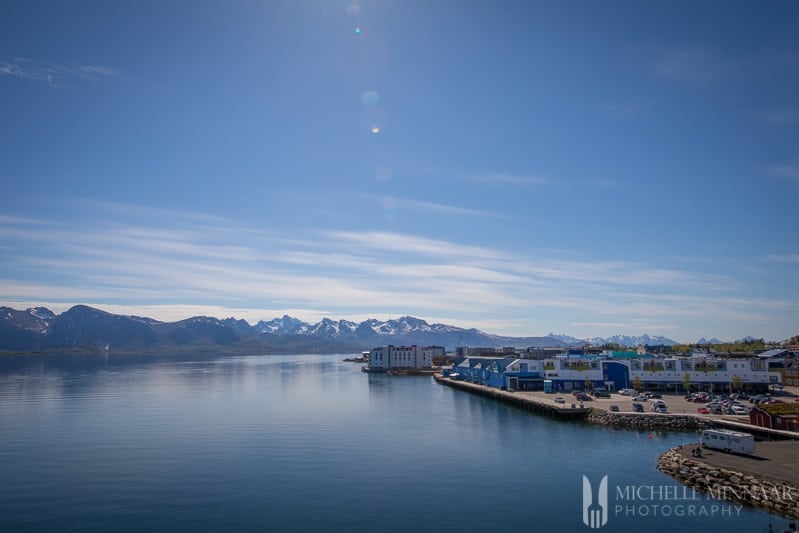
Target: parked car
point(614, 408)
point(559, 399)
point(601, 394)
point(739, 410)
point(638, 408)
point(703, 410)
point(662, 409)
point(654, 395)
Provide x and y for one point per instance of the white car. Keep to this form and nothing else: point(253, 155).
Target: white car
point(739, 410)
point(559, 399)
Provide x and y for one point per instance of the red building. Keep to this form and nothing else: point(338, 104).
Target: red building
point(784, 416)
point(792, 376)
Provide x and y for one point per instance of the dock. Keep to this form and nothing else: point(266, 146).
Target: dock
point(542, 406)
point(767, 479)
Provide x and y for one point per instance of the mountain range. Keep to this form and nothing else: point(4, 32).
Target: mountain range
point(83, 328)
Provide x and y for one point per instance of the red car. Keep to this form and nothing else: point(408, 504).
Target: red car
point(703, 410)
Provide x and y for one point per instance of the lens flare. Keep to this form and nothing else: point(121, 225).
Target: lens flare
point(373, 119)
point(383, 174)
point(370, 98)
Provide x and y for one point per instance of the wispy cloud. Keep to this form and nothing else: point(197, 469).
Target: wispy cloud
point(56, 76)
point(511, 179)
point(789, 258)
point(445, 209)
point(698, 66)
point(787, 171)
point(778, 116)
point(183, 262)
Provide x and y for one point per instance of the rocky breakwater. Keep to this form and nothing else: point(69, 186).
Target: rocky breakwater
point(647, 420)
point(778, 497)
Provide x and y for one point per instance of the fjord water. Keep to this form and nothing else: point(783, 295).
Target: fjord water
point(299, 443)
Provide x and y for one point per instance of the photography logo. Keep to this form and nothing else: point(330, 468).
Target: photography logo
point(595, 511)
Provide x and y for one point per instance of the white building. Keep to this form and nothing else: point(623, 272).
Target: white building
point(388, 357)
point(671, 374)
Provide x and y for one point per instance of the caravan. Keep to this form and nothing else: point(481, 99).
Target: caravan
point(657, 406)
point(728, 441)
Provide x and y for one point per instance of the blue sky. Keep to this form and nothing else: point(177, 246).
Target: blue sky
point(590, 168)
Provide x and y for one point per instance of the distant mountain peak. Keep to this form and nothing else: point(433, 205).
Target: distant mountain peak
point(41, 312)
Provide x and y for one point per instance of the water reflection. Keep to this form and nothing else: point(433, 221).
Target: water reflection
point(294, 443)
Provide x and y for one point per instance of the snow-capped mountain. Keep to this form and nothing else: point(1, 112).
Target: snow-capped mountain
point(328, 328)
point(280, 326)
point(567, 339)
point(747, 339)
point(41, 312)
point(714, 340)
point(82, 326)
point(631, 341)
point(623, 340)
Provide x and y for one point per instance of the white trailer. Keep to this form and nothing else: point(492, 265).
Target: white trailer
point(728, 441)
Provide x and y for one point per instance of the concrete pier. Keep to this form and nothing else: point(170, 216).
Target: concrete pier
point(543, 406)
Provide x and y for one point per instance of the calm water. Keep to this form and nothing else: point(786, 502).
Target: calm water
point(303, 443)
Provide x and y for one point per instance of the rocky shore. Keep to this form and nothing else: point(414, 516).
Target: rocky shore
point(779, 497)
point(647, 421)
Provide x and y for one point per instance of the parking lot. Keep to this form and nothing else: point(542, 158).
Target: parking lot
point(676, 404)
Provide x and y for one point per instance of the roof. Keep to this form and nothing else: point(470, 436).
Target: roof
point(776, 352)
point(780, 409)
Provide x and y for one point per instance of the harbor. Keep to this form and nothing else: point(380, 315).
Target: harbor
point(617, 411)
point(768, 479)
point(548, 407)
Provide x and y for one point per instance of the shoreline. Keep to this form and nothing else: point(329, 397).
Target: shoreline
point(741, 479)
point(598, 412)
point(550, 408)
point(760, 483)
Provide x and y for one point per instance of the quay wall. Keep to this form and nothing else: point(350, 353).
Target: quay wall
point(516, 400)
point(771, 495)
point(647, 420)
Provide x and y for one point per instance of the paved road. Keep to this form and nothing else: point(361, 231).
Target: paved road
point(676, 404)
point(777, 460)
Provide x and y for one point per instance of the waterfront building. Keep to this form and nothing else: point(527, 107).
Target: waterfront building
point(390, 357)
point(784, 416)
point(567, 373)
